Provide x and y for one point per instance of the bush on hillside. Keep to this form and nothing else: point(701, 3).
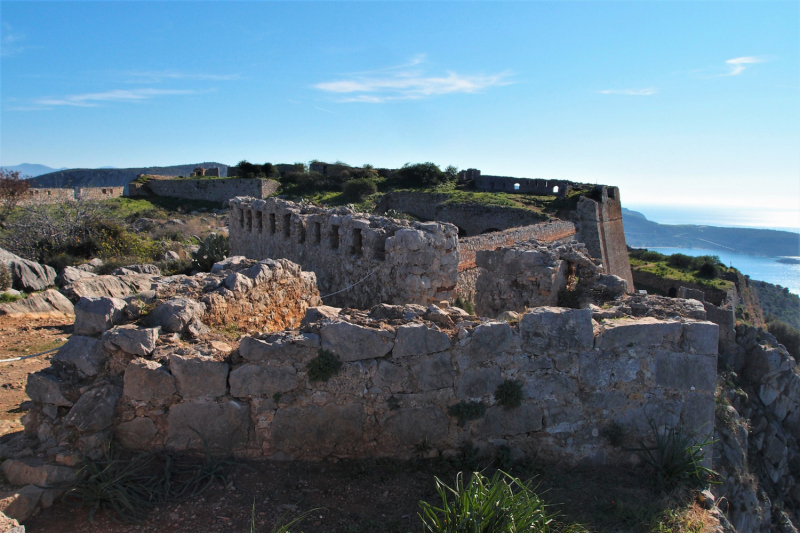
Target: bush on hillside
point(786, 335)
point(420, 175)
point(355, 190)
point(646, 255)
point(254, 171)
point(681, 261)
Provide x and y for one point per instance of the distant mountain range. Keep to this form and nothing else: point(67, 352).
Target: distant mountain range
point(643, 233)
point(32, 170)
point(113, 177)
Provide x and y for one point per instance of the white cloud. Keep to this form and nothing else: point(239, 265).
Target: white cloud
point(631, 92)
point(158, 76)
point(12, 42)
point(737, 65)
point(119, 95)
point(405, 82)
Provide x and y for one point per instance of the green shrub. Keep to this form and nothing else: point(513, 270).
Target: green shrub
point(6, 298)
point(646, 255)
point(212, 250)
point(355, 190)
point(466, 305)
point(681, 261)
point(509, 394)
point(786, 335)
point(5, 277)
point(419, 175)
point(497, 505)
point(708, 270)
point(465, 411)
point(324, 366)
point(677, 457)
point(614, 434)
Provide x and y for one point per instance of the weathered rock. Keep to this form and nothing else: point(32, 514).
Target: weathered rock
point(97, 287)
point(418, 339)
point(300, 348)
point(315, 315)
point(610, 285)
point(148, 381)
point(352, 342)
point(27, 276)
point(477, 382)
point(229, 263)
point(175, 314)
point(390, 377)
point(20, 504)
point(325, 429)
point(489, 340)
point(34, 471)
point(170, 256)
point(199, 377)
point(550, 330)
point(701, 337)
point(96, 315)
point(72, 274)
point(136, 434)
point(133, 340)
point(523, 419)
point(434, 372)
point(148, 268)
point(84, 353)
point(413, 426)
point(196, 328)
point(508, 316)
point(438, 316)
point(238, 282)
point(259, 273)
point(49, 303)
point(10, 525)
point(685, 371)
point(94, 410)
point(223, 425)
point(44, 388)
point(251, 380)
point(626, 333)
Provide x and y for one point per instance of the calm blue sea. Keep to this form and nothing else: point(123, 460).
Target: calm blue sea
point(757, 267)
point(736, 217)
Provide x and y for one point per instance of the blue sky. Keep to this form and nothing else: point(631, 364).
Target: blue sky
point(676, 102)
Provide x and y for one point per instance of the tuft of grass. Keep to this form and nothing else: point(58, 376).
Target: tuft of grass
point(509, 394)
point(614, 434)
point(6, 298)
point(466, 305)
point(465, 411)
point(230, 330)
point(501, 503)
point(324, 366)
point(393, 403)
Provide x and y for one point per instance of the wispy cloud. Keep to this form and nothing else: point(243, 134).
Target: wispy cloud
point(737, 65)
point(631, 92)
point(157, 76)
point(408, 81)
point(12, 42)
point(331, 112)
point(119, 95)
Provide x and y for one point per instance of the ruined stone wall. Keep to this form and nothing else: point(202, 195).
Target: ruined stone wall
point(400, 386)
point(600, 226)
point(471, 219)
point(215, 190)
point(98, 193)
point(545, 232)
point(671, 287)
point(522, 185)
point(370, 259)
point(48, 196)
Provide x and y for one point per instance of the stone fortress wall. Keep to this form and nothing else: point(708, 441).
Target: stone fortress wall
point(58, 195)
point(371, 259)
point(215, 190)
point(484, 182)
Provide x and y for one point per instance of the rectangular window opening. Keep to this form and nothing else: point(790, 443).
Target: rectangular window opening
point(357, 246)
point(260, 221)
point(334, 237)
point(380, 249)
point(249, 216)
point(272, 223)
point(301, 237)
point(316, 233)
point(241, 218)
point(287, 226)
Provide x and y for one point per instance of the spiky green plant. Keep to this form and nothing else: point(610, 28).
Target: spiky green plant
point(213, 249)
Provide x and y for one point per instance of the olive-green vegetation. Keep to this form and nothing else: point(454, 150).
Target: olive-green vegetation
point(778, 302)
point(706, 270)
point(786, 335)
point(324, 366)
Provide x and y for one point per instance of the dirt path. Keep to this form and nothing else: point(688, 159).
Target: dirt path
point(19, 337)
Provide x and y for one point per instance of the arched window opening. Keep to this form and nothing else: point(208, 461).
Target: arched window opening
point(516, 186)
point(555, 189)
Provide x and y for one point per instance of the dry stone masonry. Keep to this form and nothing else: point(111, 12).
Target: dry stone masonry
point(215, 190)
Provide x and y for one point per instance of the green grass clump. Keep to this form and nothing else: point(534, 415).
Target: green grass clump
point(464, 304)
point(324, 366)
point(465, 411)
point(509, 394)
point(6, 298)
point(483, 505)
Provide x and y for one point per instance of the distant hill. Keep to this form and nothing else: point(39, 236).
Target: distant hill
point(643, 233)
point(32, 170)
point(113, 177)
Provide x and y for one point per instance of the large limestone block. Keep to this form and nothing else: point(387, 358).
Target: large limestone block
point(326, 429)
point(97, 287)
point(253, 380)
point(175, 314)
point(476, 382)
point(701, 337)
point(34, 471)
point(299, 348)
point(133, 340)
point(352, 342)
point(602, 370)
point(148, 381)
point(238, 282)
point(30, 276)
point(199, 377)
point(138, 283)
point(20, 504)
point(223, 425)
point(389, 376)
point(411, 426)
point(71, 274)
point(434, 372)
point(489, 340)
point(94, 410)
point(83, 353)
point(419, 339)
point(626, 333)
point(498, 422)
point(49, 303)
point(10, 525)
point(44, 388)
point(686, 371)
point(315, 315)
point(137, 434)
point(555, 330)
point(96, 315)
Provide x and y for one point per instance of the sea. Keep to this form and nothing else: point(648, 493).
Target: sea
point(757, 267)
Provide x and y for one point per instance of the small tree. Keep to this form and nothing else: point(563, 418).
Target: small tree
point(13, 190)
point(355, 190)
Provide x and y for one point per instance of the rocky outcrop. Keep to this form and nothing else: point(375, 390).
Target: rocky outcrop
point(28, 276)
point(49, 303)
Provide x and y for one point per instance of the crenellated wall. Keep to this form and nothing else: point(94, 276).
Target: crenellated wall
point(370, 259)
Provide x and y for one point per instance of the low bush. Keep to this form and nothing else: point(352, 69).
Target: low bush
point(6, 298)
point(786, 335)
point(509, 394)
point(323, 367)
point(5, 277)
point(681, 261)
point(646, 255)
point(483, 505)
point(464, 304)
point(355, 190)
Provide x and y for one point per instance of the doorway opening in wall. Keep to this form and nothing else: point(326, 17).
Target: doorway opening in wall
point(516, 186)
point(672, 292)
point(555, 189)
point(461, 233)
